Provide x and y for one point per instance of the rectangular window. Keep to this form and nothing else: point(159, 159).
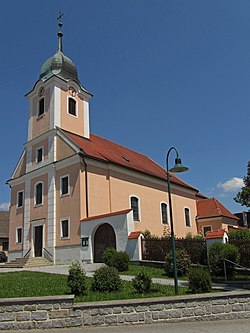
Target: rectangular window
point(134, 204)
point(20, 199)
point(19, 235)
point(72, 106)
point(164, 213)
point(206, 229)
point(64, 185)
point(41, 107)
point(5, 246)
point(39, 194)
point(39, 155)
point(187, 217)
point(65, 228)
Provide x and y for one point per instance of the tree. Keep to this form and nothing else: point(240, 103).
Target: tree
point(243, 197)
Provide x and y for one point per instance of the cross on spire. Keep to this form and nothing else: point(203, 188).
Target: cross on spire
point(60, 34)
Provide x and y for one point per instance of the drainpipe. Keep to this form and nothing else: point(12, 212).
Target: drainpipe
point(81, 154)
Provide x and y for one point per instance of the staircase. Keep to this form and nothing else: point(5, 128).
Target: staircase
point(28, 262)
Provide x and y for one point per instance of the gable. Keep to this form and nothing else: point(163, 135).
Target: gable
point(63, 149)
point(20, 169)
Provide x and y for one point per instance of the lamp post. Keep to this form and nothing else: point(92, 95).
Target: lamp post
point(177, 168)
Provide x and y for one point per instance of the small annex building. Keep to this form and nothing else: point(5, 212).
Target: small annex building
point(74, 193)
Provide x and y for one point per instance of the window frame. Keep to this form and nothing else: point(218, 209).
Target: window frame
point(41, 148)
point(167, 216)
point(206, 226)
point(61, 227)
point(138, 212)
point(35, 194)
point(39, 114)
point(61, 186)
point(17, 198)
point(70, 98)
point(189, 225)
point(19, 235)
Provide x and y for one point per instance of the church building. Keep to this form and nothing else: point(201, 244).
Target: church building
point(74, 193)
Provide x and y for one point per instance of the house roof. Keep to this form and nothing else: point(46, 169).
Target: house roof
point(207, 208)
point(215, 234)
point(4, 224)
point(108, 151)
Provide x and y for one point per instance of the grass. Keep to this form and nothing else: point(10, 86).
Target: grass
point(35, 284)
point(152, 271)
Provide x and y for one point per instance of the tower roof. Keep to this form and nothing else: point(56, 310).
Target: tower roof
point(59, 64)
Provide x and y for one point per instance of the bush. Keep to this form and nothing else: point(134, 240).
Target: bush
point(119, 260)
point(76, 279)
point(199, 281)
point(106, 279)
point(183, 263)
point(142, 282)
point(108, 256)
point(217, 253)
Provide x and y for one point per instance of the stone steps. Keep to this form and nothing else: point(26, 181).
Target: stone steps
point(28, 262)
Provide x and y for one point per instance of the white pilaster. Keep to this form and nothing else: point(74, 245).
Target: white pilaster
point(30, 120)
point(26, 224)
point(57, 107)
point(51, 226)
point(86, 119)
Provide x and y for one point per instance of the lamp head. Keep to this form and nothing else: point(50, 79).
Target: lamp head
point(178, 166)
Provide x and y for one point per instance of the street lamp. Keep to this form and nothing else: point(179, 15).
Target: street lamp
point(177, 168)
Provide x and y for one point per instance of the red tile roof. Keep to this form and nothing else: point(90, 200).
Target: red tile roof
point(126, 211)
point(134, 235)
point(212, 208)
point(215, 234)
point(108, 151)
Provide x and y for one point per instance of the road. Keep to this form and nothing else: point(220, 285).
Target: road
point(229, 326)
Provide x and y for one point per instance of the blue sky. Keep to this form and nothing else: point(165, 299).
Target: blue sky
point(163, 73)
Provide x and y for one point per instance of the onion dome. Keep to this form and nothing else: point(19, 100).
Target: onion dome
point(59, 64)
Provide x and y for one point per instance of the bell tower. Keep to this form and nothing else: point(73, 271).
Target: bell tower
point(58, 98)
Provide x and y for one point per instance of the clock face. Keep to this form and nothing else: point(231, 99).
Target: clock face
point(41, 91)
point(72, 91)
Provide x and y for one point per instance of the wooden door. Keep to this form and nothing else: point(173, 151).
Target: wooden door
point(38, 241)
point(104, 237)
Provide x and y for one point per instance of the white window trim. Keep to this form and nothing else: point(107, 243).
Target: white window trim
point(41, 147)
point(139, 206)
point(40, 204)
point(205, 226)
point(66, 194)
point(19, 228)
point(190, 220)
point(75, 116)
point(17, 197)
point(65, 219)
point(164, 202)
point(38, 103)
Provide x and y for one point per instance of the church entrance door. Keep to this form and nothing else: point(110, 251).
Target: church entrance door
point(104, 237)
point(38, 241)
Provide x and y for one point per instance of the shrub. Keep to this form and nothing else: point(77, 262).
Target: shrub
point(108, 256)
point(106, 279)
point(76, 279)
point(142, 282)
point(119, 260)
point(199, 281)
point(217, 253)
point(183, 263)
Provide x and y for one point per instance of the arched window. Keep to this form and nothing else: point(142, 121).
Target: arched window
point(134, 204)
point(41, 107)
point(187, 217)
point(164, 213)
point(39, 194)
point(72, 106)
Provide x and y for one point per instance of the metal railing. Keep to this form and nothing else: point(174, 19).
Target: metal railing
point(27, 254)
point(47, 254)
point(235, 264)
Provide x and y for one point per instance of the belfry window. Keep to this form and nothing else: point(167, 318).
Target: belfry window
point(41, 107)
point(72, 106)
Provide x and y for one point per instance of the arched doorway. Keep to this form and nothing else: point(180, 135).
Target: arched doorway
point(104, 237)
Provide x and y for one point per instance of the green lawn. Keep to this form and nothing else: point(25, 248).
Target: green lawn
point(153, 272)
point(34, 284)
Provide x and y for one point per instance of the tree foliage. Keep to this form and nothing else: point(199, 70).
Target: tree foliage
point(243, 197)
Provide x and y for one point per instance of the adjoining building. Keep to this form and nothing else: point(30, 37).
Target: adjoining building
point(74, 193)
point(4, 231)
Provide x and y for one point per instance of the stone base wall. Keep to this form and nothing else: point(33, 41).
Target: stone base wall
point(60, 312)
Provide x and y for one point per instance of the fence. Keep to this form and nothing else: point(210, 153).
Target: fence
point(156, 249)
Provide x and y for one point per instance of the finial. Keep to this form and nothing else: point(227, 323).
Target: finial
point(60, 34)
